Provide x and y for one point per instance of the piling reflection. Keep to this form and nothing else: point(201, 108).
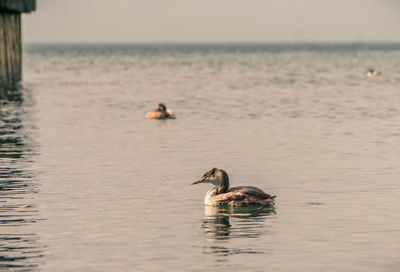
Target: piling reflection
point(20, 249)
point(223, 224)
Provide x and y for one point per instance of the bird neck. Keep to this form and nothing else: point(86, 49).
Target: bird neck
point(219, 188)
point(215, 190)
point(223, 186)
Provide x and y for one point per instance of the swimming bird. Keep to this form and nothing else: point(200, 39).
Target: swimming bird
point(221, 194)
point(373, 73)
point(160, 113)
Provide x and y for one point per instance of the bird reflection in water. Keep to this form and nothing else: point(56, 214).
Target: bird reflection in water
point(223, 224)
point(20, 249)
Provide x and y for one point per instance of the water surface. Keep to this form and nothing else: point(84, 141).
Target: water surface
point(87, 184)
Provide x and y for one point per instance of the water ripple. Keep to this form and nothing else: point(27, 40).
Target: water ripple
point(20, 250)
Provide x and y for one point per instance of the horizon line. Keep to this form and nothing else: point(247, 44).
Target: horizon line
point(216, 42)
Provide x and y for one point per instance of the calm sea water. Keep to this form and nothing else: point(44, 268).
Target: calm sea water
point(88, 184)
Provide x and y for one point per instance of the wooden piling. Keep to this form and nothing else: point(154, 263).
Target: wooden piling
point(10, 40)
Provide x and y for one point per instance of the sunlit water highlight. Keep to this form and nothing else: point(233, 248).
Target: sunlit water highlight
point(87, 184)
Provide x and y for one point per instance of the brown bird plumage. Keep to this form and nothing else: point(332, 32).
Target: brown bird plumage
point(160, 113)
point(221, 194)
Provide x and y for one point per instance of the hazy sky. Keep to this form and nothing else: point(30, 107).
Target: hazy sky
point(212, 20)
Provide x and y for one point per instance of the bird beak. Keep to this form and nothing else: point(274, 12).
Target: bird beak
point(197, 182)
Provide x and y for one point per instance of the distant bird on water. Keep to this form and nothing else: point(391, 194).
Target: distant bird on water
point(160, 113)
point(373, 73)
point(221, 194)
